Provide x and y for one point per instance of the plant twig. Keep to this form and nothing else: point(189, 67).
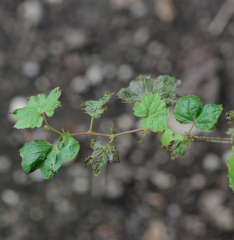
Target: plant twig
point(47, 124)
point(212, 139)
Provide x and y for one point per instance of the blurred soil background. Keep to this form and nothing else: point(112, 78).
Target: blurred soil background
point(87, 47)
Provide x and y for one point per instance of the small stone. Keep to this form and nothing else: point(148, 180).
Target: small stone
point(227, 49)
point(174, 210)
point(94, 75)
point(114, 189)
point(165, 10)
point(109, 71)
point(36, 176)
point(36, 214)
point(211, 162)
point(125, 72)
point(10, 197)
point(138, 9)
point(31, 12)
point(80, 185)
point(79, 85)
point(141, 36)
point(125, 122)
point(226, 155)
point(16, 102)
point(63, 206)
point(198, 181)
point(30, 69)
point(162, 180)
point(5, 163)
point(164, 66)
point(75, 39)
point(42, 83)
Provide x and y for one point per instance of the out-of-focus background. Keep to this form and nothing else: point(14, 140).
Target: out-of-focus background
point(87, 47)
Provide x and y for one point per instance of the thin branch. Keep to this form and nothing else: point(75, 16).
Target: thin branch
point(47, 124)
point(212, 139)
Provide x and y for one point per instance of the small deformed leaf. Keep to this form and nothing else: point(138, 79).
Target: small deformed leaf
point(154, 111)
point(95, 108)
point(230, 116)
point(163, 85)
point(176, 144)
point(101, 155)
point(230, 132)
point(30, 116)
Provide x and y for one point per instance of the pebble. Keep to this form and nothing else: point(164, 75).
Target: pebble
point(31, 12)
point(36, 176)
point(75, 39)
point(10, 197)
point(138, 9)
point(141, 36)
point(125, 122)
point(31, 69)
point(174, 210)
point(94, 75)
point(109, 71)
point(114, 189)
point(125, 72)
point(36, 214)
point(162, 180)
point(5, 163)
point(198, 181)
point(227, 49)
point(80, 185)
point(226, 155)
point(165, 10)
point(16, 102)
point(211, 205)
point(42, 83)
point(79, 85)
point(211, 162)
point(164, 66)
point(63, 205)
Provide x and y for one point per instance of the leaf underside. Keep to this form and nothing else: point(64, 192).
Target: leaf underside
point(101, 155)
point(163, 85)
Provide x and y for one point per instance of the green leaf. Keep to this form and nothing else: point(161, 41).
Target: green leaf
point(163, 85)
point(176, 144)
point(188, 109)
point(191, 109)
point(154, 111)
point(40, 154)
point(30, 116)
point(33, 154)
point(168, 137)
point(208, 118)
point(96, 108)
point(101, 155)
point(230, 165)
point(66, 149)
